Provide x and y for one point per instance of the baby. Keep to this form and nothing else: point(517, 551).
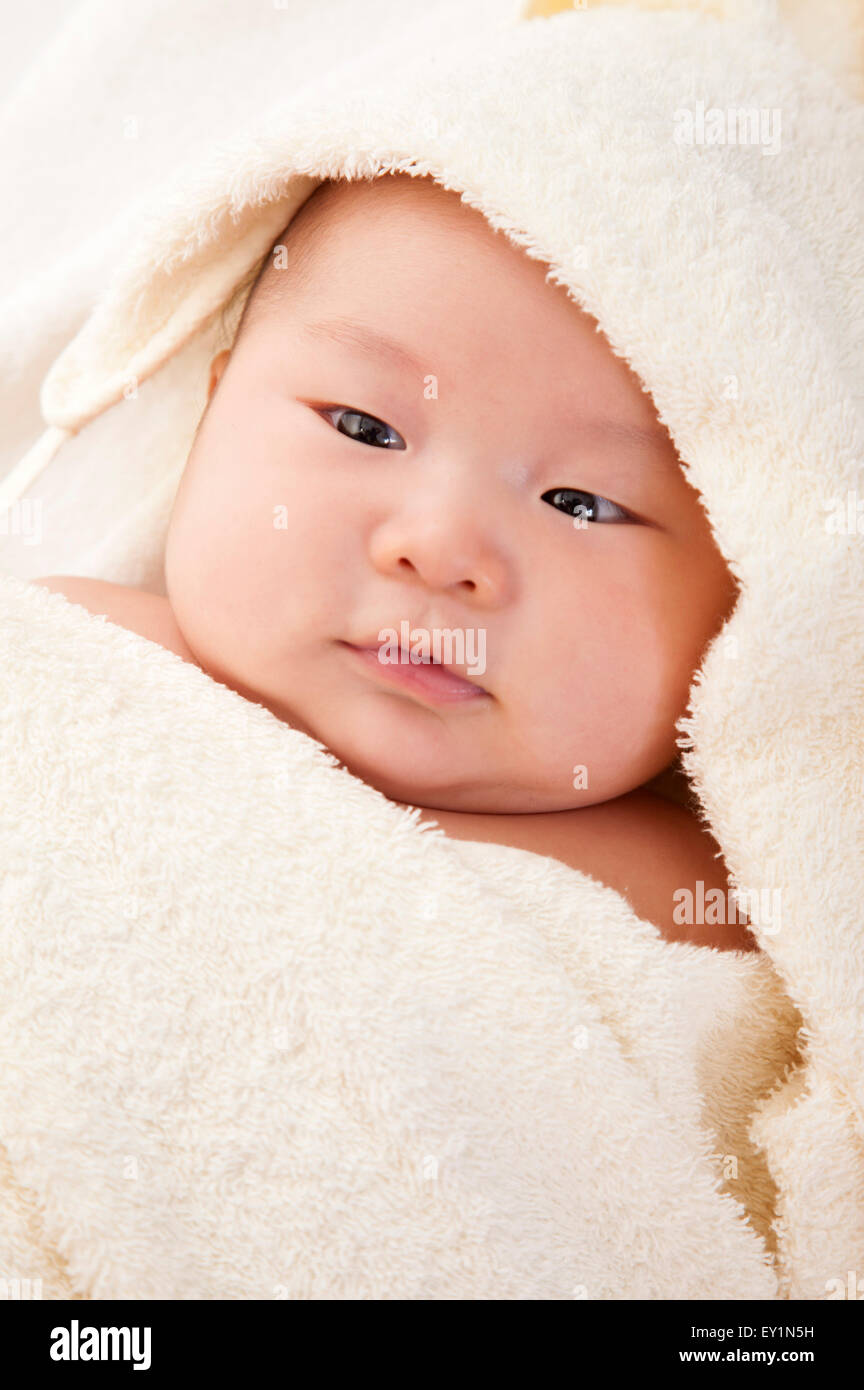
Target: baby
point(532, 504)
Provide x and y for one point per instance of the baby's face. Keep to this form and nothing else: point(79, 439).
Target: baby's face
point(301, 526)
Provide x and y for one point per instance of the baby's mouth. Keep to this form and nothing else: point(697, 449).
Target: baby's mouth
point(428, 680)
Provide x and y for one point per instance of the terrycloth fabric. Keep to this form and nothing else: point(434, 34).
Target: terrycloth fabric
point(261, 1033)
point(265, 1035)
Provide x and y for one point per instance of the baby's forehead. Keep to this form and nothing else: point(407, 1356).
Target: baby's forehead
point(361, 226)
point(326, 230)
point(339, 211)
point(405, 240)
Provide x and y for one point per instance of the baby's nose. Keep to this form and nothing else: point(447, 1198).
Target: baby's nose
point(445, 554)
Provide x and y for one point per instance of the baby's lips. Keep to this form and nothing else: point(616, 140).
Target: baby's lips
point(439, 673)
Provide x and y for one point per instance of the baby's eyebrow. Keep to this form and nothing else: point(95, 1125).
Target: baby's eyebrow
point(349, 333)
point(652, 436)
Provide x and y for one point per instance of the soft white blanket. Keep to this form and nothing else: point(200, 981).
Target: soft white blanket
point(261, 1033)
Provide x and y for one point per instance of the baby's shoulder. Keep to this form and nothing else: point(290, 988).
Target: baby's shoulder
point(644, 846)
point(149, 615)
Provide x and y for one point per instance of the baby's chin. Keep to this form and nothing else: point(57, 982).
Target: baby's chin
point(416, 764)
point(433, 768)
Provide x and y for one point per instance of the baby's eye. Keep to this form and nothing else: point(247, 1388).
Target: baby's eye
point(366, 429)
point(585, 506)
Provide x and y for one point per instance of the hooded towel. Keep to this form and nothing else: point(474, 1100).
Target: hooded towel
point(263, 1034)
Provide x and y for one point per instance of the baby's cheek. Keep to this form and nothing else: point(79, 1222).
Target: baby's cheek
point(623, 683)
point(204, 573)
point(653, 656)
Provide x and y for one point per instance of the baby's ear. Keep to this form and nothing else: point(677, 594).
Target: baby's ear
point(217, 367)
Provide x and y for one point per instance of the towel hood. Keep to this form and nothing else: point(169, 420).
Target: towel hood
point(660, 235)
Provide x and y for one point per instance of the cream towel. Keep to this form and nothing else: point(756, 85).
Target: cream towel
point(265, 1035)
